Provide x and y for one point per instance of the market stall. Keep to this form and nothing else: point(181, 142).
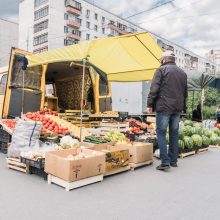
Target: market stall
point(62, 102)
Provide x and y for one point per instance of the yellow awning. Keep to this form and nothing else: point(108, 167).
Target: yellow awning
point(127, 58)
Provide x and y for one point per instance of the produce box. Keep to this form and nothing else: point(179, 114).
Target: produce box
point(116, 157)
point(58, 164)
point(139, 151)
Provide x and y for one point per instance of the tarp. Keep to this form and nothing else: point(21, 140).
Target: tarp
point(215, 83)
point(127, 58)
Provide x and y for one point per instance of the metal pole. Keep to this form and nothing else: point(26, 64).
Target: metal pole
point(22, 105)
point(82, 98)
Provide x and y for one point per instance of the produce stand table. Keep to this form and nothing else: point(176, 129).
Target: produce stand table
point(106, 126)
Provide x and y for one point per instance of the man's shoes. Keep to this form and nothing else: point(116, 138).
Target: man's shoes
point(163, 167)
point(173, 164)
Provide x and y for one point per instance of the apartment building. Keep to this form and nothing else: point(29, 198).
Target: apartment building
point(214, 56)
point(50, 24)
point(8, 39)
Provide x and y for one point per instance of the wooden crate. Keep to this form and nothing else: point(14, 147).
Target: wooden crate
point(120, 170)
point(73, 185)
point(136, 165)
point(15, 164)
point(214, 146)
point(199, 151)
point(183, 155)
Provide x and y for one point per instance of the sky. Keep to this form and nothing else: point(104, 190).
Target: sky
point(193, 24)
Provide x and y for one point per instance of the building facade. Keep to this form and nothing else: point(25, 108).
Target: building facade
point(50, 24)
point(8, 39)
point(214, 56)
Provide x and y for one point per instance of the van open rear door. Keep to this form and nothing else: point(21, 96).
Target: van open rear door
point(24, 88)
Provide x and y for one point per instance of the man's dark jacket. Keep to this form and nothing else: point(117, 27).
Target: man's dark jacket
point(168, 92)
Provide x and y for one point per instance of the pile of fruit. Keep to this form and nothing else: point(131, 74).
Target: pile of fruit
point(135, 130)
point(193, 136)
point(137, 124)
point(47, 123)
point(47, 111)
point(96, 140)
point(73, 129)
point(116, 136)
point(10, 123)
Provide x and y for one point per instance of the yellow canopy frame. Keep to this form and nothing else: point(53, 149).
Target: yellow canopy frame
point(128, 58)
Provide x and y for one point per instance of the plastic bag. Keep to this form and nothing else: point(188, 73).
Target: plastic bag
point(25, 135)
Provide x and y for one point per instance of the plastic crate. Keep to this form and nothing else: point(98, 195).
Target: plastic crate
point(39, 164)
point(4, 147)
point(38, 172)
point(5, 136)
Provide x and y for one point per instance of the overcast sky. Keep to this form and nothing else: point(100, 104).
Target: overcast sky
point(194, 24)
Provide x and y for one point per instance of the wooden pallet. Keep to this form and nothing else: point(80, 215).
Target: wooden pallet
point(199, 151)
point(183, 155)
point(214, 146)
point(120, 170)
point(15, 164)
point(73, 185)
point(136, 165)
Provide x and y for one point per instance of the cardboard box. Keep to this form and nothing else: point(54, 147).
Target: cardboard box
point(115, 157)
point(141, 152)
point(73, 170)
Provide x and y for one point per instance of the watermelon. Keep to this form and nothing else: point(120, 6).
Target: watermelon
point(197, 140)
point(181, 144)
point(214, 139)
point(188, 123)
point(181, 133)
point(208, 133)
point(198, 130)
point(197, 125)
point(216, 131)
point(187, 130)
point(188, 142)
point(205, 141)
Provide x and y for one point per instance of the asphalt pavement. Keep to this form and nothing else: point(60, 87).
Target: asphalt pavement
point(189, 192)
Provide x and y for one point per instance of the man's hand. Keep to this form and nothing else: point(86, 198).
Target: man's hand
point(149, 110)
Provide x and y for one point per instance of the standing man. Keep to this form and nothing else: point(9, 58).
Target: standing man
point(168, 94)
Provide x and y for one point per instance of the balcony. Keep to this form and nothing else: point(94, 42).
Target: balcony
point(120, 31)
point(73, 11)
point(73, 24)
point(73, 36)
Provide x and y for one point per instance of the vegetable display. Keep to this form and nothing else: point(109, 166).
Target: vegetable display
point(96, 140)
point(116, 136)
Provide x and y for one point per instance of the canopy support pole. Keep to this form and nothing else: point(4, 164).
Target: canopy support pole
point(22, 99)
point(82, 98)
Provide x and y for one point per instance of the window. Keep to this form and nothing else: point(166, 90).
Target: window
point(88, 24)
point(103, 30)
point(111, 22)
point(96, 28)
point(3, 84)
point(96, 16)
point(41, 39)
point(41, 26)
point(73, 4)
point(66, 16)
point(87, 13)
point(66, 29)
point(76, 32)
point(122, 27)
point(69, 41)
point(40, 50)
point(103, 19)
point(39, 2)
point(41, 13)
point(87, 36)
